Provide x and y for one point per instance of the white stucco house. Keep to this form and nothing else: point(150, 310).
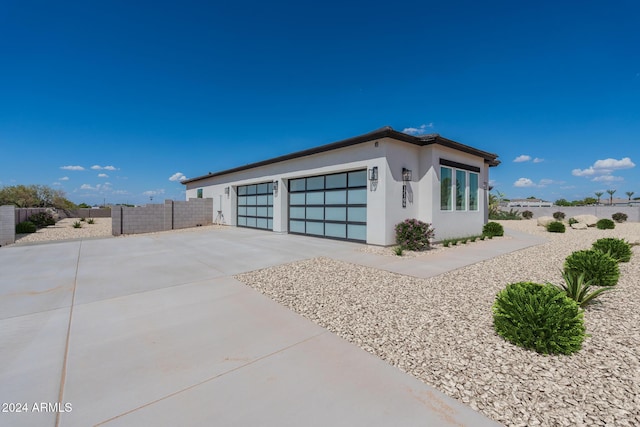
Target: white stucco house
point(357, 189)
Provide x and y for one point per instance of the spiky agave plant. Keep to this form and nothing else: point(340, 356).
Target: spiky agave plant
point(577, 288)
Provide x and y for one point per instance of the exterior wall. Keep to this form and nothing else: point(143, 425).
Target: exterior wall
point(23, 214)
point(384, 198)
point(633, 212)
point(7, 225)
point(161, 217)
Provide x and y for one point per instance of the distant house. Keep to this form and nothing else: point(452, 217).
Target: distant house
point(529, 203)
point(357, 189)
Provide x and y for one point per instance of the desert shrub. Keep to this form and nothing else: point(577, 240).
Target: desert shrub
point(77, 224)
point(398, 250)
point(573, 221)
point(483, 237)
point(578, 289)
point(26, 227)
point(619, 217)
point(91, 221)
point(558, 215)
point(473, 238)
point(539, 317)
point(42, 219)
point(413, 234)
point(556, 227)
point(618, 249)
point(83, 219)
point(502, 215)
point(446, 243)
point(527, 214)
point(599, 268)
point(491, 229)
point(605, 224)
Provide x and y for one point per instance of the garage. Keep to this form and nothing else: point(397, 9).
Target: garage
point(255, 206)
point(332, 206)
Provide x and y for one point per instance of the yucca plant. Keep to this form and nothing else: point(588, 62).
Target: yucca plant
point(577, 288)
point(398, 250)
point(77, 224)
point(618, 249)
point(91, 221)
point(596, 266)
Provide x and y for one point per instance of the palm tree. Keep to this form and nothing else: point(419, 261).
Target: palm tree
point(611, 196)
point(598, 194)
point(629, 194)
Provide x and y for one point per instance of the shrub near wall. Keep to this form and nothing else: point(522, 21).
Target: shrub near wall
point(414, 235)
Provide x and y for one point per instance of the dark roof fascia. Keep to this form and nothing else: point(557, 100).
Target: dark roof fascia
point(385, 132)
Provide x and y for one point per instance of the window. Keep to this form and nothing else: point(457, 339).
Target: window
point(466, 189)
point(446, 183)
point(461, 189)
point(199, 193)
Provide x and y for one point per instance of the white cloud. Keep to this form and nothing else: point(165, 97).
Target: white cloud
point(421, 130)
point(544, 182)
point(538, 160)
point(87, 187)
point(522, 158)
point(154, 192)
point(605, 167)
point(107, 168)
point(72, 168)
point(96, 167)
point(103, 175)
point(607, 178)
point(524, 182)
point(178, 176)
point(55, 183)
point(64, 178)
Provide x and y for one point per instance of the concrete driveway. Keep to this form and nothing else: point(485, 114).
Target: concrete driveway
point(154, 330)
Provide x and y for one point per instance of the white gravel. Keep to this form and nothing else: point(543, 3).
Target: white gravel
point(440, 330)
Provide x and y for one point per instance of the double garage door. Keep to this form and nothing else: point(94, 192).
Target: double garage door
point(332, 206)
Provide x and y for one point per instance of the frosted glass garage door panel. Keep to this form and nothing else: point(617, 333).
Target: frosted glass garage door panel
point(262, 200)
point(295, 212)
point(242, 210)
point(315, 213)
point(315, 228)
point(297, 199)
point(263, 188)
point(296, 226)
point(262, 211)
point(297, 185)
point(358, 196)
point(251, 189)
point(251, 200)
point(356, 232)
point(242, 200)
point(251, 211)
point(315, 198)
point(242, 220)
point(358, 179)
point(358, 214)
point(242, 191)
point(261, 223)
point(315, 183)
point(251, 222)
point(335, 230)
point(336, 214)
point(338, 197)
point(336, 181)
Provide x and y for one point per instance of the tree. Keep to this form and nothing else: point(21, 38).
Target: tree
point(598, 195)
point(589, 201)
point(611, 196)
point(629, 194)
point(34, 196)
point(562, 202)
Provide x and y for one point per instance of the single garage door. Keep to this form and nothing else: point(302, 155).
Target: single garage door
point(255, 206)
point(332, 206)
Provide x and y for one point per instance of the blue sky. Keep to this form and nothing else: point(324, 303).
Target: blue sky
point(136, 93)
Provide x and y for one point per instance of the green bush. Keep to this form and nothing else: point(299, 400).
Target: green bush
point(558, 215)
point(618, 249)
point(414, 235)
point(91, 221)
point(42, 219)
point(605, 224)
point(83, 219)
point(577, 289)
point(599, 268)
point(619, 217)
point(491, 229)
point(398, 250)
point(527, 214)
point(77, 224)
point(539, 317)
point(556, 227)
point(501, 215)
point(573, 221)
point(26, 227)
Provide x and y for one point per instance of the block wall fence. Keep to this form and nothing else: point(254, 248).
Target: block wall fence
point(7, 225)
point(171, 215)
point(633, 212)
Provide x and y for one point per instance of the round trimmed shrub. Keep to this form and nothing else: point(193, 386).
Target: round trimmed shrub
point(605, 224)
point(556, 227)
point(42, 219)
point(414, 235)
point(558, 215)
point(527, 214)
point(619, 217)
point(493, 229)
point(599, 267)
point(618, 249)
point(539, 317)
point(25, 227)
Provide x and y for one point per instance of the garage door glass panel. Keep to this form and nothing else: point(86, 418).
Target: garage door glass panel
point(256, 208)
point(333, 206)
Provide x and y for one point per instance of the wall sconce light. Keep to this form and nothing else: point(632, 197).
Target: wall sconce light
point(226, 190)
point(406, 174)
point(373, 174)
point(275, 186)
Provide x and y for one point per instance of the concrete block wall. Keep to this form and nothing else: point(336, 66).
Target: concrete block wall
point(23, 214)
point(633, 212)
point(161, 217)
point(88, 213)
point(7, 225)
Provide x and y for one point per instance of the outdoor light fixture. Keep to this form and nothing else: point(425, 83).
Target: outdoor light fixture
point(226, 190)
point(406, 174)
point(373, 174)
point(275, 186)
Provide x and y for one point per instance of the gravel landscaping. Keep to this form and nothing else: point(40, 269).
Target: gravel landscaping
point(63, 230)
point(440, 330)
